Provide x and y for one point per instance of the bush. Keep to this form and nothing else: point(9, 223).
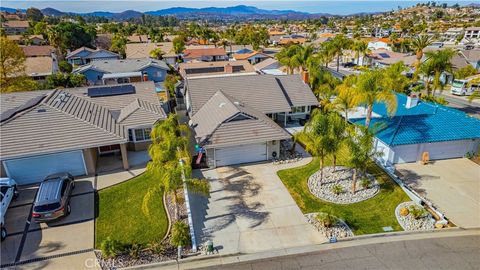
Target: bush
point(404, 212)
point(180, 234)
point(337, 189)
point(134, 250)
point(326, 219)
point(110, 247)
point(417, 211)
point(365, 183)
point(64, 66)
point(157, 248)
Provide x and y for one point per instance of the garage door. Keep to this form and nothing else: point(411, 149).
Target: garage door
point(34, 169)
point(445, 150)
point(241, 154)
point(405, 153)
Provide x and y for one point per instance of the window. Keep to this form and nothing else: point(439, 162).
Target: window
point(300, 109)
point(141, 134)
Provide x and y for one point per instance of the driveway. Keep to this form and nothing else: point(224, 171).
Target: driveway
point(36, 246)
point(250, 210)
point(452, 185)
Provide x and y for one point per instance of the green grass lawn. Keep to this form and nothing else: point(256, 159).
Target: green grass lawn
point(363, 217)
point(120, 214)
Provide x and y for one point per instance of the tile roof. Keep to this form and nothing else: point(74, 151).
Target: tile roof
point(424, 123)
point(265, 63)
point(224, 121)
point(388, 57)
point(215, 68)
point(16, 24)
point(142, 50)
point(31, 51)
point(35, 66)
point(197, 53)
point(122, 65)
point(244, 56)
point(265, 93)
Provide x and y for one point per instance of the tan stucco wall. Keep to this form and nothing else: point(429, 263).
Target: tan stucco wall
point(139, 146)
point(3, 173)
point(273, 146)
point(90, 155)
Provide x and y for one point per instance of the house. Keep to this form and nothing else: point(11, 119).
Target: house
point(124, 71)
point(472, 57)
point(32, 39)
point(253, 58)
point(238, 119)
point(15, 27)
point(472, 33)
point(51, 131)
point(453, 33)
point(138, 39)
point(270, 66)
point(384, 58)
point(291, 39)
point(85, 55)
point(217, 68)
point(204, 54)
point(38, 68)
point(142, 50)
point(418, 127)
point(236, 49)
point(378, 45)
point(39, 51)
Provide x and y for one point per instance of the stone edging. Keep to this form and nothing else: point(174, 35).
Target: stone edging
point(310, 216)
point(164, 198)
point(397, 216)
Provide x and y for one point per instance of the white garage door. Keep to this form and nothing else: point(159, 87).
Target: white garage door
point(405, 153)
point(241, 154)
point(445, 150)
point(34, 169)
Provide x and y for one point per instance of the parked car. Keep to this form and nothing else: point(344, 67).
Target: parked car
point(349, 65)
point(53, 197)
point(464, 87)
point(8, 192)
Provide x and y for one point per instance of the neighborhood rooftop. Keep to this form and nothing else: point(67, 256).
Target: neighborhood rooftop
point(122, 65)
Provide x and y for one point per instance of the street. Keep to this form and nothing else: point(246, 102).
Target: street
point(461, 103)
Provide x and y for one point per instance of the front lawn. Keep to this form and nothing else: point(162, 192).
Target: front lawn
point(121, 217)
point(363, 217)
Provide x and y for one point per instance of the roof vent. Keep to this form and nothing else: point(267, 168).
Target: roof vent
point(222, 104)
point(41, 110)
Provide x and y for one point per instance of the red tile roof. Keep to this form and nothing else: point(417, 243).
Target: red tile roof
point(196, 53)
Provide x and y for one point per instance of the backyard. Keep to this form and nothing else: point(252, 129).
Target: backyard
point(369, 216)
point(121, 213)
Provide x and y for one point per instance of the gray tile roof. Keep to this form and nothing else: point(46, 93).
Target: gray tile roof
point(68, 119)
point(223, 121)
point(122, 65)
point(266, 93)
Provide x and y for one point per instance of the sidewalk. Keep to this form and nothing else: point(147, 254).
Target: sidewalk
point(108, 179)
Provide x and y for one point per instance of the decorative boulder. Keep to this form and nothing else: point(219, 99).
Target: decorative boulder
point(404, 212)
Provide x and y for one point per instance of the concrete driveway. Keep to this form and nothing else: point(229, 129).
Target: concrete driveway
point(34, 246)
point(250, 210)
point(451, 185)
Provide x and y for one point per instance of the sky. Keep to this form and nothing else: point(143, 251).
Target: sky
point(337, 7)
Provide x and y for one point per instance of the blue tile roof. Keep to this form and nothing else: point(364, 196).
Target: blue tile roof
point(424, 123)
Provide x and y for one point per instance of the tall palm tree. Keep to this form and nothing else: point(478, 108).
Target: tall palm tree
point(393, 77)
point(288, 57)
point(370, 89)
point(440, 62)
point(338, 135)
point(302, 56)
point(361, 48)
point(327, 52)
point(340, 42)
point(419, 43)
point(345, 99)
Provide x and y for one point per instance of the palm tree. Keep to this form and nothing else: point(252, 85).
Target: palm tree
point(157, 53)
point(393, 77)
point(302, 56)
point(419, 43)
point(360, 48)
point(170, 144)
point(288, 57)
point(340, 43)
point(345, 99)
point(370, 89)
point(338, 135)
point(327, 52)
point(439, 61)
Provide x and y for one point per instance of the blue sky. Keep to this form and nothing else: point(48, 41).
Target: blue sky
point(312, 6)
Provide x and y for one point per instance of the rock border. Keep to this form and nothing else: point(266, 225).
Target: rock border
point(342, 177)
point(339, 227)
point(424, 224)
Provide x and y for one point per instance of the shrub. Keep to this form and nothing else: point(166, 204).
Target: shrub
point(110, 247)
point(365, 183)
point(64, 66)
point(157, 248)
point(326, 219)
point(180, 234)
point(134, 250)
point(417, 211)
point(337, 189)
point(404, 212)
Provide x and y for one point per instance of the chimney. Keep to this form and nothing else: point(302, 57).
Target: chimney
point(228, 68)
point(305, 77)
point(412, 101)
point(145, 77)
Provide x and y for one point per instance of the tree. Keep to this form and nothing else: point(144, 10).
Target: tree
point(339, 43)
point(370, 89)
point(288, 57)
point(465, 72)
point(119, 43)
point(393, 77)
point(157, 53)
point(170, 82)
point(361, 150)
point(171, 161)
point(72, 36)
point(64, 66)
point(419, 43)
point(40, 28)
point(361, 49)
point(337, 134)
point(439, 62)
point(180, 234)
point(64, 80)
point(12, 68)
point(345, 99)
point(34, 14)
point(178, 44)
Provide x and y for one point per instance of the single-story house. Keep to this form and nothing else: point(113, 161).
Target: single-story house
point(15, 27)
point(85, 55)
point(377, 45)
point(138, 38)
point(39, 51)
point(142, 50)
point(254, 57)
point(270, 66)
point(38, 68)
point(67, 130)
point(291, 39)
point(472, 57)
point(32, 39)
point(418, 127)
point(217, 68)
point(384, 58)
point(204, 54)
point(239, 119)
point(233, 49)
point(124, 71)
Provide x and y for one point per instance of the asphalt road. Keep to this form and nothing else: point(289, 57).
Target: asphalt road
point(456, 252)
point(461, 103)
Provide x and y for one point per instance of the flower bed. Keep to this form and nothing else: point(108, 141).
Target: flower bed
point(336, 186)
point(338, 230)
point(409, 222)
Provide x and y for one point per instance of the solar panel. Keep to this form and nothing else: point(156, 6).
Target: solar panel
point(27, 105)
point(113, 90)
point(384, 55)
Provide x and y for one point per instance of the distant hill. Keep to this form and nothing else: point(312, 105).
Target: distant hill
point(234, 11)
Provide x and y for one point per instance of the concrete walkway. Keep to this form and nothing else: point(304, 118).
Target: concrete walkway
point(108, 179)
point(250, 210)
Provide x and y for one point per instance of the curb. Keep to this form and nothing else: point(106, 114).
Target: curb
point(164, 198)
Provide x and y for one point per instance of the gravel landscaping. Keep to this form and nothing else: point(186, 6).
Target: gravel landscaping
point(341, 179)
point(409, 223)
point(338, 230)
